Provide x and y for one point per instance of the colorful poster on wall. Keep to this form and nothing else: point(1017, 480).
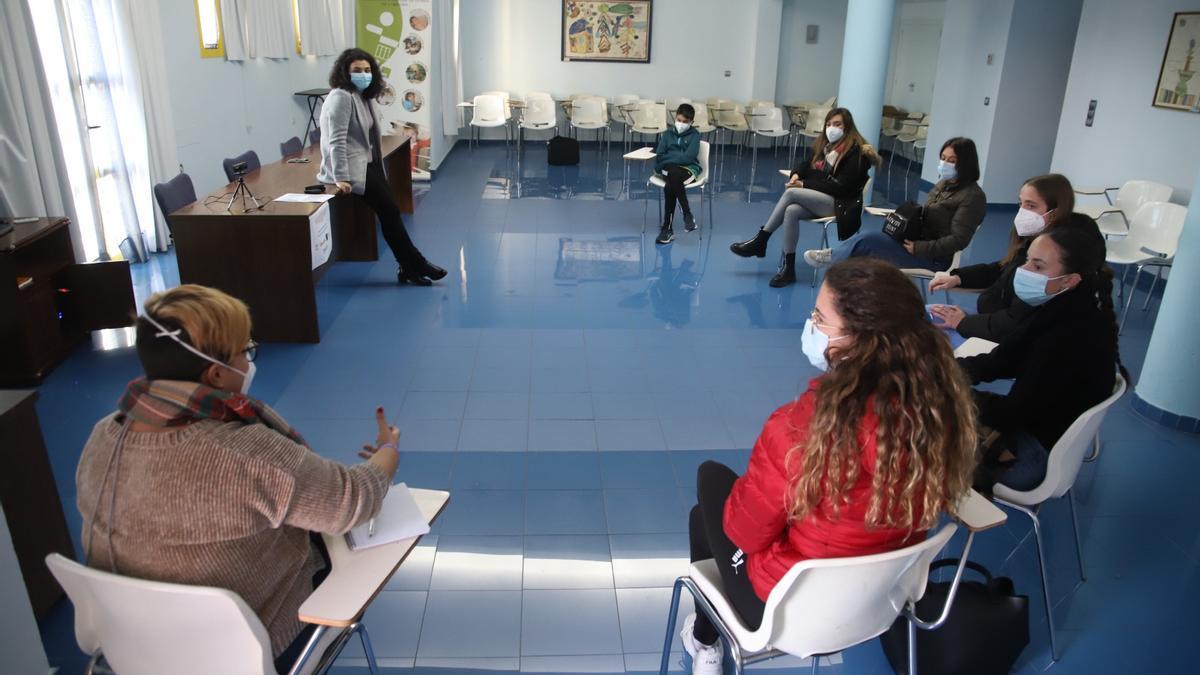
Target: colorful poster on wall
point(1176, 88)
point(606, 31)
point(399, 33)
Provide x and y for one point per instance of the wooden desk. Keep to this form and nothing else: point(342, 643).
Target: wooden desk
point(264, 257)
point(30, 498)
point(49, 303)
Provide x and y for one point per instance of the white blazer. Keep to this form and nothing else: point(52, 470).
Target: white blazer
point(345, 147)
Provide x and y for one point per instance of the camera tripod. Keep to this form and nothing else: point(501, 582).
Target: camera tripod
point(243, 190)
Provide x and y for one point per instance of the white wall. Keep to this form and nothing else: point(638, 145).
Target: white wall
point(515, 46)
point(916, 21)
point(1116, 61)
point(20, 642)
point(1029, 101)
point(972, 30)
point(810, 72)
point(223, 108)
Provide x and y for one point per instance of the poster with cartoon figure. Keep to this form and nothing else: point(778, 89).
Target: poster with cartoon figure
point(606, 31)
point(399, 33)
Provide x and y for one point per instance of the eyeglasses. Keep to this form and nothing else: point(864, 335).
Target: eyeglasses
point(815, 316)
point(251, 351)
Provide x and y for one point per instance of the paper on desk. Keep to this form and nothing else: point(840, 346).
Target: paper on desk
point(399, 518)
point(304, 198)
point(641, 153)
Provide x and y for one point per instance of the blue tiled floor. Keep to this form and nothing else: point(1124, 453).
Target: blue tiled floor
point(566, 380)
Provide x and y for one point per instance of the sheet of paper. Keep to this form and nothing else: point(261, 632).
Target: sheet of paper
point(304, 198)
point(641, 153)
point(320, 234)
point(399, 518)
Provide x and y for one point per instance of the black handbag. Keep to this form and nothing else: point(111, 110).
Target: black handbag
point(562, 151)
point(986, 631)
point(905, 223)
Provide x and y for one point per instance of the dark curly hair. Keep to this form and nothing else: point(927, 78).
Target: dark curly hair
point(339, 77)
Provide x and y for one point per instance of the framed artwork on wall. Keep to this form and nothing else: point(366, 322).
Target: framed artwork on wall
point(606, 31)
point(1176, 88)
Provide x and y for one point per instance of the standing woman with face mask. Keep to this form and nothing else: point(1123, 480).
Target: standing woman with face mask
point(953, 211)
point(1045, 202)
point(352, 157)
point(1062, 359)
point(863, 462)
point(676, 158)
point(832, 182)
point(194, 481)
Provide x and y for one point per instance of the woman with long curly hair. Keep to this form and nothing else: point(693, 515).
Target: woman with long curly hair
point(352, 157)
point(863, 462)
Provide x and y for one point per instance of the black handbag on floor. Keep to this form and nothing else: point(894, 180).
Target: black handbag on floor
point(986, 631)
point(562, 151)
point(905, 223)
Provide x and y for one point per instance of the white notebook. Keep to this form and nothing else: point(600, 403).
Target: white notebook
point(399, 518)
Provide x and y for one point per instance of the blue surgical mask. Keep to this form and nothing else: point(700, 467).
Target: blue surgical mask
point(360, 80)
point(814, 343)
point(1030, 286)
point(947, 170)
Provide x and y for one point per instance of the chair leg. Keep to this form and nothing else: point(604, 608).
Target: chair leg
point(1129, 300)
point(912, 648)
point(1153, 284)
point(666, 652)
point(1075, 529)
point(1037, 537)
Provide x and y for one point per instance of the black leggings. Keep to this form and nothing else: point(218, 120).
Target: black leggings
point(706, 534)
point(378, 196)
point(674, 190)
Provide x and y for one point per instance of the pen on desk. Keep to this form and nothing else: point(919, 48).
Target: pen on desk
point(371, 528)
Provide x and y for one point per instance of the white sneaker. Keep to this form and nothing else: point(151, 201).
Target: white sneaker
point(706, 660)
point(819, 257)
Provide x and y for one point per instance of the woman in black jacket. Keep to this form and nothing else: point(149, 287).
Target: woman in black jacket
point(832, 182)
point(1063, 358)
point(953, 211)
point(1045, 202)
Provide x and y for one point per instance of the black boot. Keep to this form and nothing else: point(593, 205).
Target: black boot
point(756, 246)
point(786, 275)
point(404, 276)
point(426, 268)
point(666, 235)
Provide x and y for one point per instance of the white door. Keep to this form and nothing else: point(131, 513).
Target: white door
point(916, 66)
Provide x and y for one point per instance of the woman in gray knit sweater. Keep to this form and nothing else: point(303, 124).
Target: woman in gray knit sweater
point(191, 481)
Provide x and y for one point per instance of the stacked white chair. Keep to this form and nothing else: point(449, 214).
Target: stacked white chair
point(1115, 219)
point(1152, 240)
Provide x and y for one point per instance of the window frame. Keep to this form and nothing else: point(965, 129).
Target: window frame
point(207, 52)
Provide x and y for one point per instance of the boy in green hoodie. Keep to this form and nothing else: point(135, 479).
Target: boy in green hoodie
point(676, 159)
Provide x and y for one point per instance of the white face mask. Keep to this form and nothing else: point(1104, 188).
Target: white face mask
point(947, 170)
point(814, 343)
point(1029, 223)
point(682, 127)
point(247, 375)
point(834, 134)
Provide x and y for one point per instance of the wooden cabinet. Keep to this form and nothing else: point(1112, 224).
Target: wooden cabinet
point(49, 303)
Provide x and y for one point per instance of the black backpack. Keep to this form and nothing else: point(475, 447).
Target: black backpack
point(562, 151)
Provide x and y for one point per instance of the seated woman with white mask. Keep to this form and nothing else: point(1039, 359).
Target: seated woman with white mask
point(193, 481)
point(1044, 203)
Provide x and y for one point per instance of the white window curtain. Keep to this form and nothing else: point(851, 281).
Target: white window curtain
point(270, 32)
point(33, 162)
point(233, 28)
point(321, 30)
point(450, 66)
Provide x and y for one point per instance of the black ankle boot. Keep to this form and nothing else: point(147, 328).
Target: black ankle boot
point(403, 276)
point(666, 234)
point(755, 246)
point(786, 275)
point(426, 268)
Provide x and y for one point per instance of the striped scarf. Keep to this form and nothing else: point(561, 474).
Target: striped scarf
point(172, 403)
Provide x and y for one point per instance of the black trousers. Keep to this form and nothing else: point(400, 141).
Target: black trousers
point(378, 196)
point(287, 659)
point(674, 191)
point(706, 534)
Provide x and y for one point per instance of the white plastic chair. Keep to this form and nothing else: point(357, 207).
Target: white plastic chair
point(702, 122)
point(830, 220)
point(487, 112)
point(541, 113)
point(1062, 468)
point(649, 118)
point(1152, 240)
point(823, 606)
point(814, 125)
point(149, 627)
point(768, 123)
point(1130, 198)
point(620, 113)
point(700, 182)
point(671, 103)
point(924, 276)
point(590, 113)
point(731, 117)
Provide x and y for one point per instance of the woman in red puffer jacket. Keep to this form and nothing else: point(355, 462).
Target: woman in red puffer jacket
point(863, 462)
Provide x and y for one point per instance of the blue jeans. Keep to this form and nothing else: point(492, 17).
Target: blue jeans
point(879, 245)
point(1029, 470)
